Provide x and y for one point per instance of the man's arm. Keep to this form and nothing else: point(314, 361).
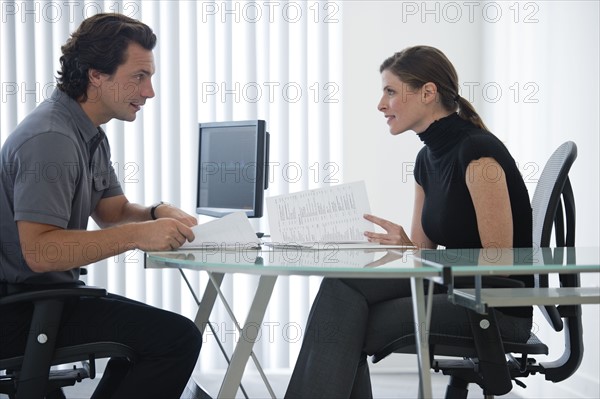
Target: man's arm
point(116, 210)
point(48, 248)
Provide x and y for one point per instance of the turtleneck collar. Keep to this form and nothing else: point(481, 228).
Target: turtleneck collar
point(443, 133)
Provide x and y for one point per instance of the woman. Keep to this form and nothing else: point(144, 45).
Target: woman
point(468, 194)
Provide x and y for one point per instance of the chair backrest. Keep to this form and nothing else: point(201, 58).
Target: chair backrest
point(554, 191)
point(548, 213)
point(546, 203)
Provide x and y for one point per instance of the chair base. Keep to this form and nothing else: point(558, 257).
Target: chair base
point(56, 380)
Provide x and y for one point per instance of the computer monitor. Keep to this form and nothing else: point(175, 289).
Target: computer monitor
point(232, 168)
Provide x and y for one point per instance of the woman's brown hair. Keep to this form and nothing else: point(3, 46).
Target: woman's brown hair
point(418, 65)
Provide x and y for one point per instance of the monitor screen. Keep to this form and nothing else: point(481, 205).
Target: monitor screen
point(232, 172)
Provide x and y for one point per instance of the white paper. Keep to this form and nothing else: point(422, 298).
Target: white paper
point(325, 215)
point(230, 231)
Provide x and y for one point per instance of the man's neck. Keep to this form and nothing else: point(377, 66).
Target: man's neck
point(92, 112)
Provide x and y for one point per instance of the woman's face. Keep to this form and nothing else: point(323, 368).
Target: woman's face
point(402, 105)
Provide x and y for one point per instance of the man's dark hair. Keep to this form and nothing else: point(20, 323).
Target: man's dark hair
point(99, 43)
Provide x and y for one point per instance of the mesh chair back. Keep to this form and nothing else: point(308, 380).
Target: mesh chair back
point(547, 207)
point(547, 198)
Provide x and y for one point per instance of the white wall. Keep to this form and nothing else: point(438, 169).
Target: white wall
point(543, 58)
point(373, 31)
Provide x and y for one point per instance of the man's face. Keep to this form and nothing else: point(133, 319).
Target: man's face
point(122, 94)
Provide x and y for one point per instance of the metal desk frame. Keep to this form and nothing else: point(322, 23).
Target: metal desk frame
point(423, 268)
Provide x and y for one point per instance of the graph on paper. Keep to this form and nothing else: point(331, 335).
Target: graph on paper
point(331, 214)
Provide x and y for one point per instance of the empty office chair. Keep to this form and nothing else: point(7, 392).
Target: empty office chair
point(487, 360)
point(30, 376)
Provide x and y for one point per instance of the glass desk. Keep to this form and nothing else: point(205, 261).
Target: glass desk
point(441, 266)
point(477, 263)
point(329, 261)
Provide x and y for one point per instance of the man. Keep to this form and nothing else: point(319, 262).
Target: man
point(56, 173)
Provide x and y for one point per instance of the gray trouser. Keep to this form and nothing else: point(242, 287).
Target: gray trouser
point(353, 318)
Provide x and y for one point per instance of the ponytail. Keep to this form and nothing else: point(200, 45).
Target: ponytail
point(468, 113)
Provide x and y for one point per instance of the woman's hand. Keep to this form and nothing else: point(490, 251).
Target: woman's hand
point(395, 234)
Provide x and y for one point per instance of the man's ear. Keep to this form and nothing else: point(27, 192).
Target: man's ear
point(95, 77)
point(429, 92)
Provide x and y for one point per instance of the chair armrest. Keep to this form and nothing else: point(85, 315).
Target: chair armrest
point(53, 293)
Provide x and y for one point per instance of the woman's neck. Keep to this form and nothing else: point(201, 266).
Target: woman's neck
point(436, 115)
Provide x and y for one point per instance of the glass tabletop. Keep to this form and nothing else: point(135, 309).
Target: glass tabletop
point(335, 261)
point(496, 261)
point(328, 261)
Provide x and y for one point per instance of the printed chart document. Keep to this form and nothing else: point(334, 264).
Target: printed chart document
point(322, 217)
point(232, 231)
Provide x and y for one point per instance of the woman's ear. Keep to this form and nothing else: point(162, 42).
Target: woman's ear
point(429, 92)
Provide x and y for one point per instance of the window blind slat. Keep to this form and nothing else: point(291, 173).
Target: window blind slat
point(225, 60)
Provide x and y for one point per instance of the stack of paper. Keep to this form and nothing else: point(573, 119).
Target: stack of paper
point(232, 231)
point(322, 217)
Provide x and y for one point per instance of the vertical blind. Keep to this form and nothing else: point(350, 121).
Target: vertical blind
point(215, 61)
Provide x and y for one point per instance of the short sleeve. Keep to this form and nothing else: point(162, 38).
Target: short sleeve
point(478, 146)
point(47, 170)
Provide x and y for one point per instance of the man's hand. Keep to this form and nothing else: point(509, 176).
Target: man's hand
point(163, 234)
point(395, 234)
point(169, 211)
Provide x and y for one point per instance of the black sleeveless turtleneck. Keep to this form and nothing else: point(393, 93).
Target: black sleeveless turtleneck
point(448, 217)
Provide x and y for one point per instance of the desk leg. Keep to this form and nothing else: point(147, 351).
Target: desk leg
point(249, 332)
point(422, 336)
point(206, 305)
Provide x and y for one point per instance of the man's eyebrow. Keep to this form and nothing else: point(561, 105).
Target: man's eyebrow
point(144, 71)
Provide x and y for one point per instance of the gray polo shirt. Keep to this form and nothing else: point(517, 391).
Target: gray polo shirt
point(47, 176)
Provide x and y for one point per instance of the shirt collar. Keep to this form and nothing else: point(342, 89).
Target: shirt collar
point(84, 124)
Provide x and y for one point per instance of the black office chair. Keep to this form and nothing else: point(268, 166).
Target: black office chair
point(30, 376)
point(487, 360)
